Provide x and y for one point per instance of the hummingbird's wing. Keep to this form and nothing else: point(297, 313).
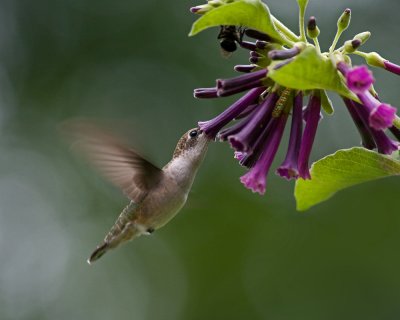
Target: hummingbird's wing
point(122, 165)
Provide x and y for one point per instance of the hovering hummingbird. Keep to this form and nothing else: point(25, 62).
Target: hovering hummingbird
point(156, 194)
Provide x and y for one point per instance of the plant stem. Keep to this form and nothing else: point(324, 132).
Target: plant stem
point(302, 12)
point(396, 122)
point(316, 42)
point(335, 41)
point(361, 54)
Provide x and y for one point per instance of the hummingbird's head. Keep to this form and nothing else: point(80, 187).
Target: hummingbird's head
point(192, 144)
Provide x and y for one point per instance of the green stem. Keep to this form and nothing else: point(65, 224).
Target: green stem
point(342, 25)
point(316, 42)
point(340, 49)
point(335, 41)
point(302, 29)
point(396, 122)
point(361, 54)
point(285, 30)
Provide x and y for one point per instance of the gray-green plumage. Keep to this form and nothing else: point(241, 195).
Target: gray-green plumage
point(156, 194)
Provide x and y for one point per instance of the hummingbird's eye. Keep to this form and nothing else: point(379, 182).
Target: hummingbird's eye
point(193, 133)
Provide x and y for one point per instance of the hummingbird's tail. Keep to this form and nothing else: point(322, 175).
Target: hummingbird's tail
point(98, 253)
point(123, 230)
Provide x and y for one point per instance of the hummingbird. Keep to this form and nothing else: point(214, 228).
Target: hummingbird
point(156, 194)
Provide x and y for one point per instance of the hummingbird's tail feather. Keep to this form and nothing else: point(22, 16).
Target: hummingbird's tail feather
point(98, 253)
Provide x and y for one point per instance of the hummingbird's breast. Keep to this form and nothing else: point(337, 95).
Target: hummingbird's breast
point(161, 204)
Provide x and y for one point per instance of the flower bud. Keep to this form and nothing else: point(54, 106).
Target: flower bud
point(312, 28)
point(344, 20)
point(351, 45)
point(374, 59)
point(363, 36)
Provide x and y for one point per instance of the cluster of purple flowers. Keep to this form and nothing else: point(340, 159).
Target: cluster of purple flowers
point(258, 119)
point(370, 115)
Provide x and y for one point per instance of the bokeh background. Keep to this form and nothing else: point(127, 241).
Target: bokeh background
point(229, 254)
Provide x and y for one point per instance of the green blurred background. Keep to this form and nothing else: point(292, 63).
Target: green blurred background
point(229, 254)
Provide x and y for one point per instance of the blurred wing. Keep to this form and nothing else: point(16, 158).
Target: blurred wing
point(123, 166)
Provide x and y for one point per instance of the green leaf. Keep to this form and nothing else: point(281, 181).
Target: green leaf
point(310, 70)
point(249, 13)
point(326, 103)
point(341, 170)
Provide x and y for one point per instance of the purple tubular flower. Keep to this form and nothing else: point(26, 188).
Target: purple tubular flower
point(381, 115)
point(283, 54)
point(237, 127)
point(241, 80)
point(248, 45)
point(261, 44)
point(289, 167)
point(255, 54)
point(254, 60)
point(306, 112)
point(367, 140)
point(238, 89)
point(247, 111)
point(314, 105)
point(282, 64)
point(239, 155)
point(244, 140)
point(384, 144)
point(244, 68)
point(343, 67)
point(213, 126)
point(205, 93)
point(259, 145)
point(394, 68)
point(359, 79)
point(255, 179)
point(251, 33)
point(228, 87)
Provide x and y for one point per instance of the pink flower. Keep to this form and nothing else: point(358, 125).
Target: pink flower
point(359, 79)
point(382, 116)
